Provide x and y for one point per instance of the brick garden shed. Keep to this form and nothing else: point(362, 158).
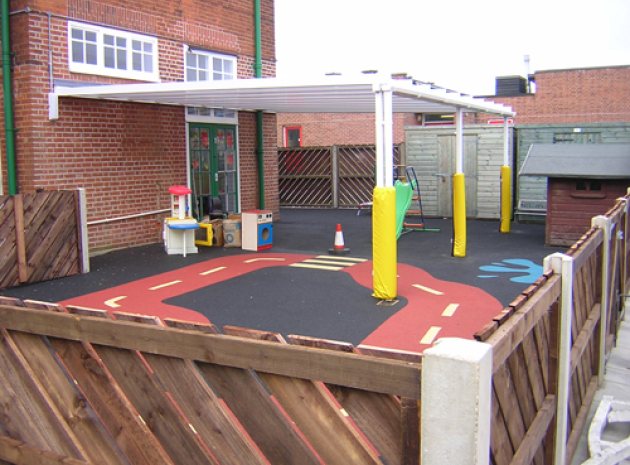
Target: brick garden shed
point(582, 181)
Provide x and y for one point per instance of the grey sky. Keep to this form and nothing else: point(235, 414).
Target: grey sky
point(460, 44)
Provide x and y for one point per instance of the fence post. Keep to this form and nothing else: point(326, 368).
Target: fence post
point(84, 253)
point(20, 239)
point(456, 403)
point(334, 154)
point(605, 224)
point(562, 264)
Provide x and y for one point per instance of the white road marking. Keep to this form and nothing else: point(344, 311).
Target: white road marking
point(347, 259)
point(427, 289)
point(450, 310)
point(213, 270)
point(317, 267)
point(113, 303)
point(160, 286)
point(269, 259)
point(430, 335)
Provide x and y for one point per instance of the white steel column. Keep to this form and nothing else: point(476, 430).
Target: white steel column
point(384, 136)
point(506, 136)
point(459, 141)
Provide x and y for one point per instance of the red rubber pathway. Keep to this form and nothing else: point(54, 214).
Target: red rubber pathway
point(297, 288)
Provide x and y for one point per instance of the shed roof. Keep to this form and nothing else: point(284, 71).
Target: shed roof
point(329, 94)
point(610, 161)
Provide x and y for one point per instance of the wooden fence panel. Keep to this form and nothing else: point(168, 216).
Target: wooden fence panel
point(338, 176)
point(40, 237)
point(157, 402)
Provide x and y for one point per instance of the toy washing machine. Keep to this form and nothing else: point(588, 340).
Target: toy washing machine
point(257, 230)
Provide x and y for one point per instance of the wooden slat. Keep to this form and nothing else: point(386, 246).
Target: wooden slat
point(511, 334)
point(369, 373)
point(534, 369)
point(20, 453)
point(382, 418)
point(27, 411)
point(580, 421)
point(313, 408)
point(508, 403)
point(72, 406)
point(500, 446)
point(20, 241)
point(530, 446)
point(107, 399)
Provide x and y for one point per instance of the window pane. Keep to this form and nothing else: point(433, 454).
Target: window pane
point(191, 60)
point(217, 65)
point(203, 75)
point(203, 62)
point(109, 57)
point(90, 36)
point(90, 52)
point(121, 59)
point(217, 77)
point(137, 62)
point(148, 47)
point(77, 52)
point(108, 40)
point(77, 34)
point(121, 42)
point(136, 45)
point(228, 68)
point(148, 63)
point(191, 75)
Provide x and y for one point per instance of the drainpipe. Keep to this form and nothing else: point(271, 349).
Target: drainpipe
point(9, 128)
point(260, 152)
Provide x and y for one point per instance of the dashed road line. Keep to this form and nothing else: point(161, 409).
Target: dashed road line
point(160, 286)
point(427, 289)
point(450, 310)
point(113, 303)
point(266, 259)
point(430, 335)
point(213, 270)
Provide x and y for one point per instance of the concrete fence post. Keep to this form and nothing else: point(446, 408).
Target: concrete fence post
point(456, 403)
point(563, 265)
point(83, 231)
point(605, 224)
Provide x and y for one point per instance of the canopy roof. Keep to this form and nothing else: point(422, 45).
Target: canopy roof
point(330, 94)
point(609, 161)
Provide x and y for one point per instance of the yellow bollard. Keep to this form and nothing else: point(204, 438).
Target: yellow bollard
point(384, 245)
point(506, 199)
point(459, 215)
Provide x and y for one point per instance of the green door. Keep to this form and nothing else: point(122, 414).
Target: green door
point(213, 162)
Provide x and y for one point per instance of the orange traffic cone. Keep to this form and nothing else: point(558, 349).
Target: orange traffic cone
point(339, 248)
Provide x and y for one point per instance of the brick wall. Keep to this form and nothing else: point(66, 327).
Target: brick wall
point(324, 129)
point(124, 154)
point(591, 95)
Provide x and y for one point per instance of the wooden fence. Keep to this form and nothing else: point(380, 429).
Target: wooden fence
point(86, 389)
point(40, 237)
point(82, 388)
point(549, 346)
point(334, 177)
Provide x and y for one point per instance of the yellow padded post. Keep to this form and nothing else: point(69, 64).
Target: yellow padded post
point(506, 199)
point(384, 245)
point(459, 215)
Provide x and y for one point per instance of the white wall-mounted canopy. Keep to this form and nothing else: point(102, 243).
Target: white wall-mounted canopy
point(330, 94)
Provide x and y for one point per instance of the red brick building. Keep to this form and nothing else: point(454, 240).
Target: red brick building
point(126, 155)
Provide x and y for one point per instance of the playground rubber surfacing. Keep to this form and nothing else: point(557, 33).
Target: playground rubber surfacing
point(297, 288)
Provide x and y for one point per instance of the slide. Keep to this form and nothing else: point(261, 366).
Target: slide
point(404, 195)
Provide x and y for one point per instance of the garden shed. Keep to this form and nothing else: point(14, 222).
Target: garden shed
point(582, 181)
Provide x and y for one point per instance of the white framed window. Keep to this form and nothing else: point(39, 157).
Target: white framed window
point(110, 52)
point(207, 66)
point(202, 65)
